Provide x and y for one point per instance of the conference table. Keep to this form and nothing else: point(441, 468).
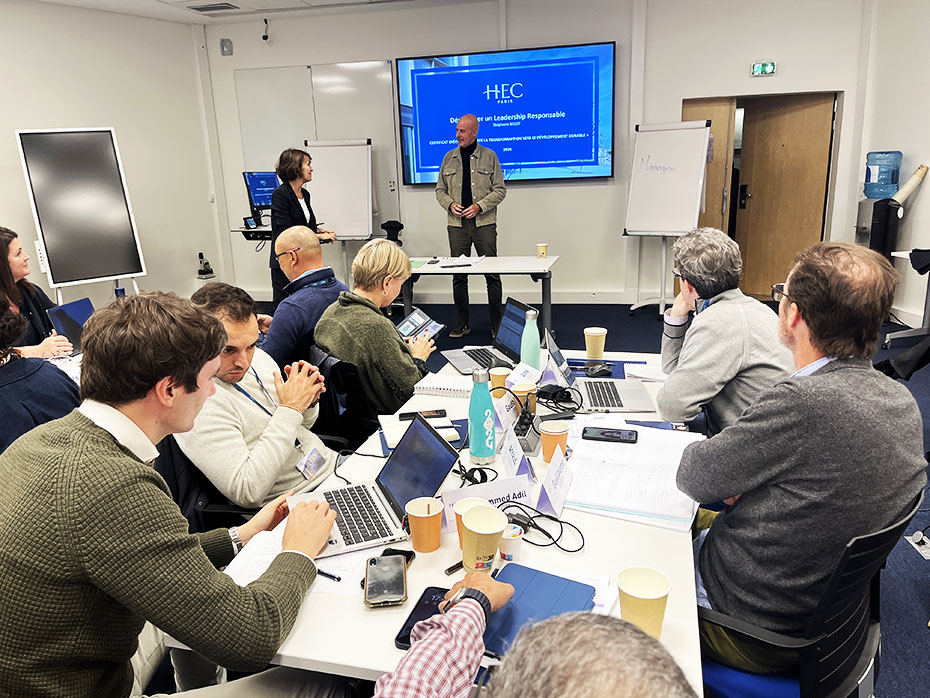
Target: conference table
point(336, 633)
point(538, 269)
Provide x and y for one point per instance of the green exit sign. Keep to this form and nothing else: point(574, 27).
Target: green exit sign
point(760, 68)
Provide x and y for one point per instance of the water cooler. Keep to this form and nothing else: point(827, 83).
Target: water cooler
point(877, 224)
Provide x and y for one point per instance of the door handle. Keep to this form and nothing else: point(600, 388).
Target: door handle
point(744, 195)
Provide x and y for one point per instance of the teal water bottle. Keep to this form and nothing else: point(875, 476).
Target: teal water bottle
point(481, 436)
point(529, 342)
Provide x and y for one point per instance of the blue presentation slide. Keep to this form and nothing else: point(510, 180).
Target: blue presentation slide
point(547, 113)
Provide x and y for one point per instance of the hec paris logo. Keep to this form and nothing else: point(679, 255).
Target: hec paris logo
point(504, 91)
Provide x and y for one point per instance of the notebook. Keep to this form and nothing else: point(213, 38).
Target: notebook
point(439, 384)
point(372, 513)
point(69, 319)
point(506, 345)
point(602, 394)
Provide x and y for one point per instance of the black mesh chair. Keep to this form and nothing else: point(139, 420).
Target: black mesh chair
point(345, 410)
point(392, 230)
point(840, 648)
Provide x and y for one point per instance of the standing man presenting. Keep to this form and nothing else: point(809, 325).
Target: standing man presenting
point(470, 186)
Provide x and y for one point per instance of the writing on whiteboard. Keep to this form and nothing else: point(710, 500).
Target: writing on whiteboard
point(647, 165)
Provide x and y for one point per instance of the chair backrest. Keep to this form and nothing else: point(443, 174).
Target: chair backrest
point(190, 488)
point(841, 619)
point(392, 228)
point(345, 410)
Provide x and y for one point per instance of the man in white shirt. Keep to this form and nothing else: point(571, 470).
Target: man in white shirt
point(252, 439)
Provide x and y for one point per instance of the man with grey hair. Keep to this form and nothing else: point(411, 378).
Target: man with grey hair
point(719, 347)
point(575, 654)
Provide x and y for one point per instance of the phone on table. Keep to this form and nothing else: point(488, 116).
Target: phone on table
point(250, 223)
point(621, 436)
point(426, 606)
point(426, 414)
point(385, 581)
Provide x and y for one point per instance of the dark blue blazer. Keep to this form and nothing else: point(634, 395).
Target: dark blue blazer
point(33, 392)
point(32, 306)
point(285, 213)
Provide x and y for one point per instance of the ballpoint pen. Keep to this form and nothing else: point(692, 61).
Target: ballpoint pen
point(328, 575)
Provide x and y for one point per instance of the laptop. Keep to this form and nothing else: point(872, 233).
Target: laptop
point(506, 345)
point(69, 319)
point(372, 513)
point(602, 394)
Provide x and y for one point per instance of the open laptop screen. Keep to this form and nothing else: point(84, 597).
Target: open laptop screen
point(559, 359)
point(417, 466)
point(510, 330)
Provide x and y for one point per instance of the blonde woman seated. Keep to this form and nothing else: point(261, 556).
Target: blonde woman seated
point(354, 329)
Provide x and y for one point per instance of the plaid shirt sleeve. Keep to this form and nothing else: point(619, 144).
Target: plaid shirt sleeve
point(443, 659)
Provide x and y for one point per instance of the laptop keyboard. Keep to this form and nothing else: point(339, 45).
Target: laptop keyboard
point(481, 356)
point(357, 516)
point(603, 394)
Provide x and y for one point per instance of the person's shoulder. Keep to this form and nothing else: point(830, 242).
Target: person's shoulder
point(282, 191)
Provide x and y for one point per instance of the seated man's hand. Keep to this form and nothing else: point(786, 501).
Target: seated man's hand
point(421, 346)
point(308, 527)
point(264, 323)
point(303, 386)
point(266, 519)
point(683, 304)
point(498, 593)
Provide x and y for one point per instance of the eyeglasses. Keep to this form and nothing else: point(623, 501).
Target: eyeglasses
point(676, 273)
point(281, 254)
point(778, 290)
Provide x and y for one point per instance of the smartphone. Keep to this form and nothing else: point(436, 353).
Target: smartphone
point(623, 436)
point(385, 581)
point(250, 223)
point(426, 606)
point(426, 414)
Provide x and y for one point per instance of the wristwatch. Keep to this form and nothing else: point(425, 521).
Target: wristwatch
point(468, 593)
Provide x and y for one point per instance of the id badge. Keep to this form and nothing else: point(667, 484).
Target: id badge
point(311, 464)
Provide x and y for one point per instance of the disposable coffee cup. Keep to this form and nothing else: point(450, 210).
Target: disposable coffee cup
point(463, 505)
point(554, 433)
point(482, 528)
point(510, 542)
point(424, 514)
point(542, 248)
point(498, 380)
point(643, 595)
point(594, 338)
point(525, 391)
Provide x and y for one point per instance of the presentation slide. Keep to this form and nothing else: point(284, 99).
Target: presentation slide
point(546, 112)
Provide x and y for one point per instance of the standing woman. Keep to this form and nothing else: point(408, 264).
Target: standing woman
point(290, 205)
point(40, 339)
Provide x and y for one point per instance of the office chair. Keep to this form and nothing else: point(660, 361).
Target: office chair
point(345, 410)
point(392, 230)
point(840, 649)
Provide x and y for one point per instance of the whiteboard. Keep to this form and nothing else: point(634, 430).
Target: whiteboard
point(667, 180)
point(341, 196)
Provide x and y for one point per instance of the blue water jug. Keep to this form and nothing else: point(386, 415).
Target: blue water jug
point(882, 171)
point(481, 435)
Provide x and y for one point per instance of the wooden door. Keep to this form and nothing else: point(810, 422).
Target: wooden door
point(722, 114)
point(784, 164)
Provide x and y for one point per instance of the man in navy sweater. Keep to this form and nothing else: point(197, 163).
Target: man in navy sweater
point(311, 290)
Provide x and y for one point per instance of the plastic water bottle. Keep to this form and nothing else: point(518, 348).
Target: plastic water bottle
point(882, 171)
point(481, 436)
point(529, 342)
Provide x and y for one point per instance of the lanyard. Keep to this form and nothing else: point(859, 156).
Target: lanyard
point(260, 405)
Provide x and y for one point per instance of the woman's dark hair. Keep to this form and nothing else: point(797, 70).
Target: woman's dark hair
point(12, 327)
point(290, 164)
point(8, 287)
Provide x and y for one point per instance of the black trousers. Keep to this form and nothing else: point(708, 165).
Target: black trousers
point(484, 238)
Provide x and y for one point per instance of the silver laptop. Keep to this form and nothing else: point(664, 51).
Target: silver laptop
point(602, 394)
point(506, 345)
point(372, 513)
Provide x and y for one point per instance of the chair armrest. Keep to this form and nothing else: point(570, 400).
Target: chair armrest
point(336, 443)
point(754, 632)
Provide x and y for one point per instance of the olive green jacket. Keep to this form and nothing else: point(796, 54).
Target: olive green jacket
point(487, 184)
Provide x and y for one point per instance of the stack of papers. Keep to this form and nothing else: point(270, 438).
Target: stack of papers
point(393, 429)
point(645, 372)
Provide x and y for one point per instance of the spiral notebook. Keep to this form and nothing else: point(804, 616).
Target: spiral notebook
point(450, 386)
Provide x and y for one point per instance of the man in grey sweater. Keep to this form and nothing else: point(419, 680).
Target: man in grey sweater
point(835, 451)
point(719, 347)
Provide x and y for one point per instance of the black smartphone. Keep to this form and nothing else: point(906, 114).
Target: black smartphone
point(385, 581)
point(623, 436)
point(426, 606)
point(426, 414)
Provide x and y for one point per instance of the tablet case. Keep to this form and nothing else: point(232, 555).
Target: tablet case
point(461, 426)
point(537, 596)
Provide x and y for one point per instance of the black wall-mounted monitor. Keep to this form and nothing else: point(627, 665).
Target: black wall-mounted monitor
point(548, 113)
point(260, 186)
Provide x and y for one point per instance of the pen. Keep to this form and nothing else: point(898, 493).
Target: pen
point(328, 575)
point(455, 568)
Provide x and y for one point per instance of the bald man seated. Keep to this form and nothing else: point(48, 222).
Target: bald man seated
point(312, 289)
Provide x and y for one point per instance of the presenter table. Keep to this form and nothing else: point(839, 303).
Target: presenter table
point(534, 267)
point(336, 633)
point(924, 328)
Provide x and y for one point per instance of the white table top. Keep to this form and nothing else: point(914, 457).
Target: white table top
point(488, 265)
point(338, 634)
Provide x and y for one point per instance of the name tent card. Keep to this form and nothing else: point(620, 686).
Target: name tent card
point(555, 486)
point(514, 459)
point(497, 492)
point(523, 373)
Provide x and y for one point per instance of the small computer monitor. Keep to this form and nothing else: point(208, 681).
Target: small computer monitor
point(260, 186)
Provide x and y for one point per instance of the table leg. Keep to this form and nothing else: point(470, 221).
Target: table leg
point(547, 301)
point(406, 292)
point(345, 263)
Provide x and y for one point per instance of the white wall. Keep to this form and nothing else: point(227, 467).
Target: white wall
point(898, 102)
point(66, 67)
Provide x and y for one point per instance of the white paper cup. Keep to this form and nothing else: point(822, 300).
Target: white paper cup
point(463, 505)
point(510, 543)
point(542, 248)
